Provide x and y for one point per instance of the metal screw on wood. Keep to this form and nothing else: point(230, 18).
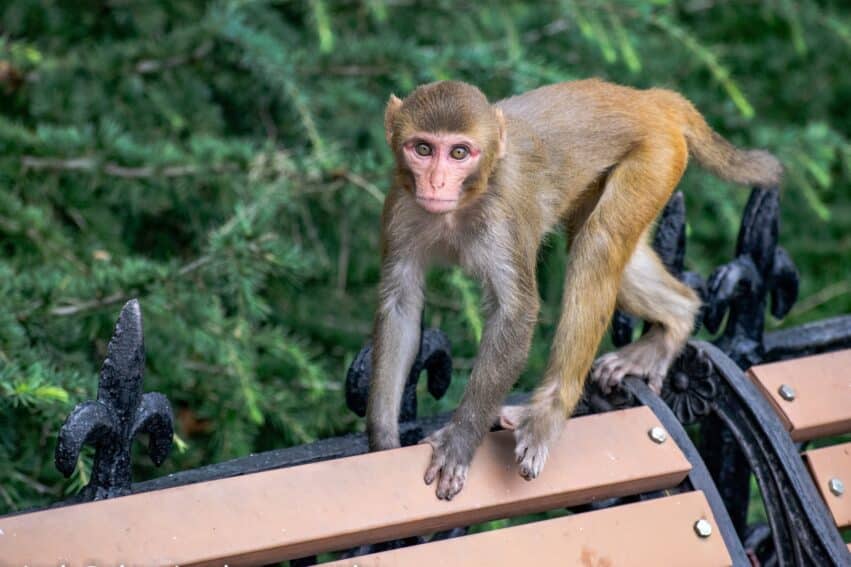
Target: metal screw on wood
point(837, 487)
point(786, 392)
point(657, 434)
point(703, 528)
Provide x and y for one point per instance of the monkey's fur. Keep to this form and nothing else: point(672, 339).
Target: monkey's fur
point(600, 158)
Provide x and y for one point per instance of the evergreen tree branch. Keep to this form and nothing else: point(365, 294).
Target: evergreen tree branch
point(78, 306)
point(364, 184)
point(151, 66)
point(92, 165)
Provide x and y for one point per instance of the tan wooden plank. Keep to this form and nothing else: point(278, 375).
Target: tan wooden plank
point(286, 513)
point(822, 385)
point(652, 533)
point(828, 463)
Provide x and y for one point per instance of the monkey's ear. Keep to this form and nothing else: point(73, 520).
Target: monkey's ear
point(502, 141)
point(393, 106)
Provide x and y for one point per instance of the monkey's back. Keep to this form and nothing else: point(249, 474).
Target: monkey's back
point(592, 119)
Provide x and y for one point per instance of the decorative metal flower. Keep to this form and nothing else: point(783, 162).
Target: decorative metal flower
point(670, 243)
point(434, 357)
point(119, 414)
point(691, 385)
point(740, 287)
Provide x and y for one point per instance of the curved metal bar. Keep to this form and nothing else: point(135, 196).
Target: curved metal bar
point(802, 528)
point(699, 475)
point(764, 466)
point(811, 338)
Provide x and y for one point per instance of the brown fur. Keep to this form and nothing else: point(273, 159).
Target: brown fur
point(602, 159)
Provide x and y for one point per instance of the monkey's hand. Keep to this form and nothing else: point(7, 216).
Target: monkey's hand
point(452, 450)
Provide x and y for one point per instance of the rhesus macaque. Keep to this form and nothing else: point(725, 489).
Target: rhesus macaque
point(480, 185)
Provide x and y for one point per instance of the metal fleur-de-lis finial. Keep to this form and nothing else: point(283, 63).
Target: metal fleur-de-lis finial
point(670, 243)
point(120, 413)
point(740, 287)
point(434, 357)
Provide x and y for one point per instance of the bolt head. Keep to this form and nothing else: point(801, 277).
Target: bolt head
point(657, 434)
point(786, 392)
point(703, 528)
point(836, 486)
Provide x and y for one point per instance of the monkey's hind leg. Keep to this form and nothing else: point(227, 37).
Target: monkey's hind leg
point(650, 292)
point(634, 194)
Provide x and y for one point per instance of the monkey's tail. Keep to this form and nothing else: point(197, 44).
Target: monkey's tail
point(748, 167)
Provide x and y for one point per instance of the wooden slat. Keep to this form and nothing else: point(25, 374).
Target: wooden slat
point(652, 533)
point(822, 384)
point(286, 513)
point(833, 462)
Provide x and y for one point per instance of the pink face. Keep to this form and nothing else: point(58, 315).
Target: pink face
point(440, 164)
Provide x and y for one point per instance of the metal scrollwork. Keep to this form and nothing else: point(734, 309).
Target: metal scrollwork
point(119, 414)
point(741, 287)
point(691, 387)
point(434, 356)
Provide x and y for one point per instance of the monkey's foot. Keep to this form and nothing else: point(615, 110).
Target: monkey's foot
point(645, 359)
point(534, 430)
point(452, 451)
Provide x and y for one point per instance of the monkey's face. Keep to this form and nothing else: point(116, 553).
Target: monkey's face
point(447, 139)
point(440, 164)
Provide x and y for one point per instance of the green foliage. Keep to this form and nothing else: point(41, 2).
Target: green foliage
point(224, 162)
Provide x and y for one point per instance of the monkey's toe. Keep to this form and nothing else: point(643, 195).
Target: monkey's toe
point(610, 369)
point(533, 460)
point(530, 451)
point(655, 382)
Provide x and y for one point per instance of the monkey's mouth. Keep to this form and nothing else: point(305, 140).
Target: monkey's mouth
point(435, 205)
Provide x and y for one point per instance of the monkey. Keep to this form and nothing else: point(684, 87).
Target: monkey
point(481, 185)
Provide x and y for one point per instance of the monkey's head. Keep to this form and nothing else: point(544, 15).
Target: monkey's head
point(447, 140)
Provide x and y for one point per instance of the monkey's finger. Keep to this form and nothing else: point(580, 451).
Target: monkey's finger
point(451, 481)
point(437, 462)
point(444, 487)
point(431, 473)
point(458, 479)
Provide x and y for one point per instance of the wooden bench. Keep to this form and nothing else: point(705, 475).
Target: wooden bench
point(812, 396)
point(334, 505)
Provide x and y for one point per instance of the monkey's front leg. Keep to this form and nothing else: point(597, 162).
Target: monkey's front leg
point(396, 339)
point(502, 355)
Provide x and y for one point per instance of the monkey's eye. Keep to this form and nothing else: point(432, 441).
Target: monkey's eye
point(423, 149)
point(459, 152)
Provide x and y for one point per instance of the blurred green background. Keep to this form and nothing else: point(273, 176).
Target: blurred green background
point(225, 163)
